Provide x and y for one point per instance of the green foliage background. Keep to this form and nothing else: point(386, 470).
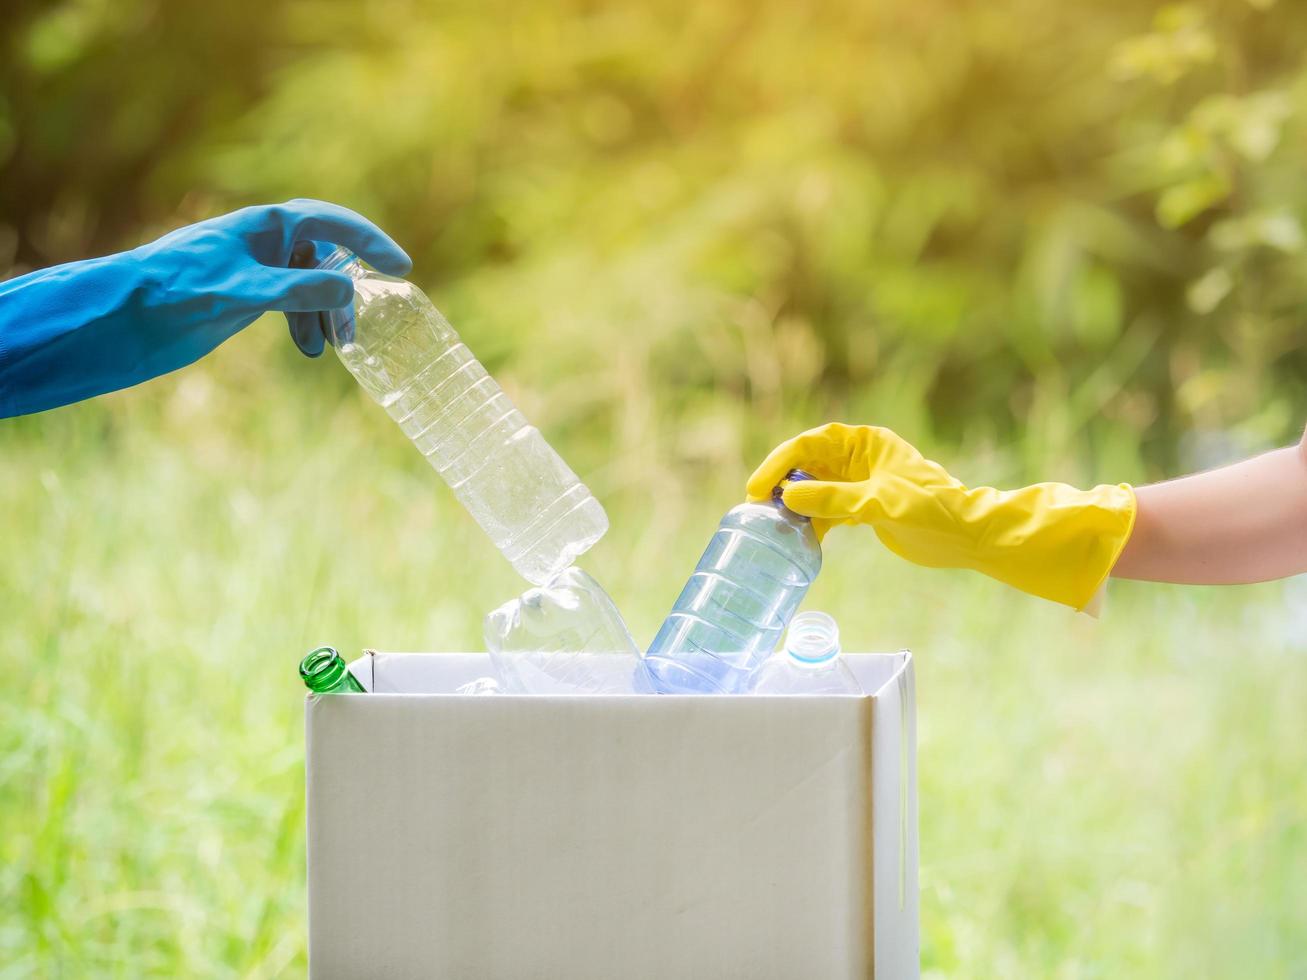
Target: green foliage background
point(1042, 240)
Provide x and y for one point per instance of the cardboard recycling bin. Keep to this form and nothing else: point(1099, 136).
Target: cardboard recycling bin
point(610, 837)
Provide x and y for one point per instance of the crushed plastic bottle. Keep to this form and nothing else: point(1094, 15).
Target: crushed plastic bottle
point(731, 613)
point(810, 662)
point(410, 360)
point(566, 637)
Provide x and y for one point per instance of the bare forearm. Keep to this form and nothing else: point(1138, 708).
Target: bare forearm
point(1241, 523)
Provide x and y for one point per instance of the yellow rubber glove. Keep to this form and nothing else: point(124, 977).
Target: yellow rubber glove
point(1050, 540)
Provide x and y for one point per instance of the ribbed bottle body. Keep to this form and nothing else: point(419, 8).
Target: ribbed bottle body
point(412, 362)
point(731, 613)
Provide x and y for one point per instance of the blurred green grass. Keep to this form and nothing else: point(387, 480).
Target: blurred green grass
point(1122, 797)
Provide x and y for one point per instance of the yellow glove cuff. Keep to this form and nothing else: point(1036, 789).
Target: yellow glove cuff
point(1049, 540)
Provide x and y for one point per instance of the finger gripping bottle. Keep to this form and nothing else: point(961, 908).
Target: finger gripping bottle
point(410, 360)
point(749, 582)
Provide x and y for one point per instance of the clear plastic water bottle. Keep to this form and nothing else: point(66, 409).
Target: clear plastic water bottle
point(810, 662)
point(732, 611)
point(410, 360)
point(566, 637)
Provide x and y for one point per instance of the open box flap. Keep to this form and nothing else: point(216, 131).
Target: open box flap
point(444, 673)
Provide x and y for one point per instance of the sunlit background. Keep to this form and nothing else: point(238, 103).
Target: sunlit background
point(1043, 240)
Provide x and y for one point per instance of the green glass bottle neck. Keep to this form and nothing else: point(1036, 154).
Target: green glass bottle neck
point(324, 672)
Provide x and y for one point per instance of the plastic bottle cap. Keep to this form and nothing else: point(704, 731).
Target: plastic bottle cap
point(813, 638)
point(793, 476)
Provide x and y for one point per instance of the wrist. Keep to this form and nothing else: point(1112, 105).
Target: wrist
point(1052, 540)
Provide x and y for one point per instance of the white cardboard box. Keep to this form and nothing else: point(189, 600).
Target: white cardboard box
point(607, 836)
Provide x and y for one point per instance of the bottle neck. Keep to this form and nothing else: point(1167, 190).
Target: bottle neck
point(813, 641)
point(778, 491)
point(324, 672)
point(812, 666)
point(343, 260)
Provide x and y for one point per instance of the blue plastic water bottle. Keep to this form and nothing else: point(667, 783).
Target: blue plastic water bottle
point(730, 615)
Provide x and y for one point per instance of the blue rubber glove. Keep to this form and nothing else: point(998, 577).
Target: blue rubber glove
point(79, 330)
point(312, 331)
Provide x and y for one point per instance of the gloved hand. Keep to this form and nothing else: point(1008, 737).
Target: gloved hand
point(1050, 540)
point(78, 330)
point(311, 330)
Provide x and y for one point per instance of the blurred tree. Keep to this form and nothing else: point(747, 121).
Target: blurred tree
point(98, 96)
point(971, 220)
